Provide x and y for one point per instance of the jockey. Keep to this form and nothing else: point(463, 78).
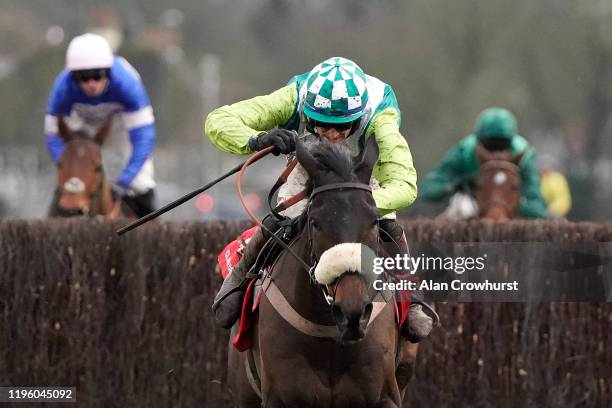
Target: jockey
point(94, 85)
point(337, 103)
point(495, 130)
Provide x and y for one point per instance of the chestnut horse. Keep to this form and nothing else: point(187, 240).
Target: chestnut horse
point(324, 338)
point(498, 184)
point(82, 186)
point(497, 189)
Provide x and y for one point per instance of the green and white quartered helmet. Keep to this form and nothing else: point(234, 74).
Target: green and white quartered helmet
point(336, 92)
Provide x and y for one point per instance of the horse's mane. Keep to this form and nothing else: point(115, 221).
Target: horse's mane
point(81, 135)
point(336, 158)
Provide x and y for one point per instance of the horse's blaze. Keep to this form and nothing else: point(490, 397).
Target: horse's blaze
point(74, 185)
point(500, 178)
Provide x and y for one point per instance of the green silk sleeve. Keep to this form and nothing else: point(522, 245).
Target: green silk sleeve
point(230, 127)
point(394, 170)
point(444, 179)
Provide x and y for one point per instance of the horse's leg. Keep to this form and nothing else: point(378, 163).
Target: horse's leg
point(406, 363)
point(273, 402)
point(386, 403)
point(115, 211)
point(405, 367)
point(240, 388)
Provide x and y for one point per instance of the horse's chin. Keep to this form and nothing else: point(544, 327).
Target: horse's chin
point(501, 218)
point(353, 334)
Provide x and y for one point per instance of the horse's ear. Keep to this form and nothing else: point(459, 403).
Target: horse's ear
point(104, 130)
point(306, 159)
point(62, 129)
point(482, 154)
point(366, 160)
point(516, 159)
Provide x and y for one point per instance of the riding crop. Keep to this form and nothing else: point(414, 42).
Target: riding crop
point(256, 220)
point(194, 193)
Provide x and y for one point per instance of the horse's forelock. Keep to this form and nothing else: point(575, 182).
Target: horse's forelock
point(81, 135)
point(335, 158)
point(80, 139)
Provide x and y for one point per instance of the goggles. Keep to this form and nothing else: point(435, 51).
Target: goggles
point(87, 75)
point(338, 126)
point(496, 143)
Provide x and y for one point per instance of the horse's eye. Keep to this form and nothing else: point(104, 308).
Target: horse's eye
point(314, 224)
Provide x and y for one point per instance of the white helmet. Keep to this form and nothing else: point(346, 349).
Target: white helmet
point(88, 51)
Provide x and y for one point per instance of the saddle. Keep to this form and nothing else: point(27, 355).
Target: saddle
point(270, 252)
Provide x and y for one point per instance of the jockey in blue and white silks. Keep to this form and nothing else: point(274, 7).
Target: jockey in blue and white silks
point(94, 85)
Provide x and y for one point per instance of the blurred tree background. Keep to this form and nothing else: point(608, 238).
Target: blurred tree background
point(549, 61)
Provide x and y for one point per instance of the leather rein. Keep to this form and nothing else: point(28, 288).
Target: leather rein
point(273, 293)
point(275, 296)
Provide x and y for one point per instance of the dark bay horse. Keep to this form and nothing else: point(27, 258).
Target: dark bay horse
point(324, 341)
point(498, 184)
point(82, 186)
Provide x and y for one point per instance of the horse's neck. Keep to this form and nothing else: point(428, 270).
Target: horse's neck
point(294, 283)
point(497, 213)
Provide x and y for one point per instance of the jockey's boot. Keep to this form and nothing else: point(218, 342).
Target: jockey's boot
point(228, 302)
point(419, 322)
point(141, 204)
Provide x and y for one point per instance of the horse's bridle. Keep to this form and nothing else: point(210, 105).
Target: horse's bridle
point(329, 292)
point(311, 265)
point(99, 170)
point(496, 164)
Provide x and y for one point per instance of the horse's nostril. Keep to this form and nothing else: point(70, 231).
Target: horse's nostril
point(337, 314)
point(367, 311)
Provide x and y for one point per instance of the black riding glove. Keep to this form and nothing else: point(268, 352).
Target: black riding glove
point(283, 141)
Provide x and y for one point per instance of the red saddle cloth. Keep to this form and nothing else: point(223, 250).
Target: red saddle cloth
point(401, 308)
point(229, 257)
point(243, 340)
point(231, 254)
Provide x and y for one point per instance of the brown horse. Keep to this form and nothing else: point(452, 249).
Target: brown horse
point(82, 186)
point(498, 184)
point(321, 339)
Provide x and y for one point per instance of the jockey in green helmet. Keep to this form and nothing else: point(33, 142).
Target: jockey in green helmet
point(495, 130)
point(331, 102)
